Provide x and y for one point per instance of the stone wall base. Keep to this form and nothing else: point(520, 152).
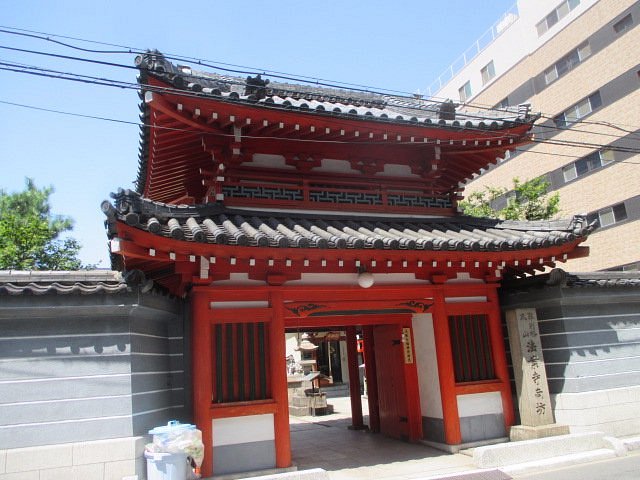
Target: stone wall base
point(613, 411)
point(113, 459)
point(525, 432)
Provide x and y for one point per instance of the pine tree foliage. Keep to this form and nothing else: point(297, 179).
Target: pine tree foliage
point(529, 201)
point(30, 234)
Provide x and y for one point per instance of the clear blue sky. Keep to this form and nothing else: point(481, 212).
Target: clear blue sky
point(400, 45)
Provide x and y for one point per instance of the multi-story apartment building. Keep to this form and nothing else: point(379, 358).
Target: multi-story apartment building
point(578, 63)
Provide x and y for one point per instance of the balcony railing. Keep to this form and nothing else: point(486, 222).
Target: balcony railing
point(486, 39)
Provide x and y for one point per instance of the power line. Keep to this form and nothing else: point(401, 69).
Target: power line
point(142, 124)
point(277, 74)
point(20, 68)
point(121, 84)
point(334, 84)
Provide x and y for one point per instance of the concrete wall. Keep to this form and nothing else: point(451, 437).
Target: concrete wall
point(591, 342)
point(76, 369)
point(611, 71)
point(428, 383)
point(481, 415)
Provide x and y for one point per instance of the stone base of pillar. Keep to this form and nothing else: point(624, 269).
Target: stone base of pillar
point(524, 432)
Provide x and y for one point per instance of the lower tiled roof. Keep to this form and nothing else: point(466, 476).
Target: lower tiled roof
point(604, 279)
point(14, 282)
point(215, 224)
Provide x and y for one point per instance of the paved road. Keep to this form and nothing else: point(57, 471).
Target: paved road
point(622, 468)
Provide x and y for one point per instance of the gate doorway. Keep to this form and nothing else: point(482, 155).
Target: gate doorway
point(386, 355)
point(390, 379)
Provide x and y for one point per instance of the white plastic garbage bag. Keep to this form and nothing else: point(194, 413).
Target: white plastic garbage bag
point(178, 437)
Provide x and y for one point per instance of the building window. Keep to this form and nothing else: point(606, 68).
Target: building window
point(567, 63)
point(623, 25)
point(556, 15)
point(580, 110)
point(471, 347)
point(591, 162)
point(488, 72)
point(504, 103)
point(629, 267)
point(465, 92)
point(609, 215)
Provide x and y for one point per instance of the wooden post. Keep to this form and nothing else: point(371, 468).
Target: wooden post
point(414, 413)
point(446, 374)
point(354, 380)
point(500, 357)
point(201, 367)
point(372, 379)
point(278, 366)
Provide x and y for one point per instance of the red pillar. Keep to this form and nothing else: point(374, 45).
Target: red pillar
point(372, 379)
point(500, 357)
point(201, 367)
point(278, 365)
point(446, 374)
point(414, 413)
point(354, 380)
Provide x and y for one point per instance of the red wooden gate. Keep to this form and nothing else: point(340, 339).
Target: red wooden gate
point(392, 391)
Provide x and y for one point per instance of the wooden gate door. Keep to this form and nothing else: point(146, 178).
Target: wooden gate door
point(392, 391)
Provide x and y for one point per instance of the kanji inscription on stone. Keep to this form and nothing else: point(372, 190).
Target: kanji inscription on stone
point(528, 367)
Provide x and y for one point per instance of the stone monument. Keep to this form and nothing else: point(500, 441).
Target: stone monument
point(534, 402)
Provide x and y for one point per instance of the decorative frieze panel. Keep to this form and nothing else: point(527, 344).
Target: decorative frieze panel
point(263, 193)
point(401, 200)
point(326, 196)
point(352, 198)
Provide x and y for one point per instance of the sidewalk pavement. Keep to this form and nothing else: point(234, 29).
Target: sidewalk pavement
point(324, 448)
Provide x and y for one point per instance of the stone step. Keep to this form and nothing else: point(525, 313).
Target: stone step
point(525, 451)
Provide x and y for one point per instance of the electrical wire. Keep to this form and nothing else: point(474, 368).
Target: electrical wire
point(108, 82)
point(334, 84)
point(254, 71)
point(319, 141)
point(121, 84)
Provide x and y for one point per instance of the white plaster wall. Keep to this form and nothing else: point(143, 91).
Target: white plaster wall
point(464, 277)
point(427, 363)
point(352, 279)
point(252, 304)
point(269, 161)
point(335, 166)
point(479, 404)
point(238, 279)
point(464, 299)
point(393, 170)
point(613, 411)
point(517, 41)
point(344, 361)
point(246, 429)
point(291, 343)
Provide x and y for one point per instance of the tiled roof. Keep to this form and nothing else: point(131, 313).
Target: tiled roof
point(326, 101)
point(604, 279)
point(216, 224)
point(60, 282)
point(559, 278)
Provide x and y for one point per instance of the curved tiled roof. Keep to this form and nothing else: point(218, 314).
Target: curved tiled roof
point(59, 282)
point(322, 100)
point(215, 224)
point(604, 279)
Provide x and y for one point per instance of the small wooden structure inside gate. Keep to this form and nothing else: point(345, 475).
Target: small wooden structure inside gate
point(272, 206)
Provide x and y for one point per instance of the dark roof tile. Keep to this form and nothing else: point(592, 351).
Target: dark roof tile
point(217, 225)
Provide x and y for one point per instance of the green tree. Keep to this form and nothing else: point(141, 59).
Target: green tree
point(30, 233)
point(529, 201)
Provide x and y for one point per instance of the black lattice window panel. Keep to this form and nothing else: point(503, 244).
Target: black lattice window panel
point(240, 362)
point(471, 348)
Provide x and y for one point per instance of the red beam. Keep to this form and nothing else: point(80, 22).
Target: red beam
point(354, 380)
